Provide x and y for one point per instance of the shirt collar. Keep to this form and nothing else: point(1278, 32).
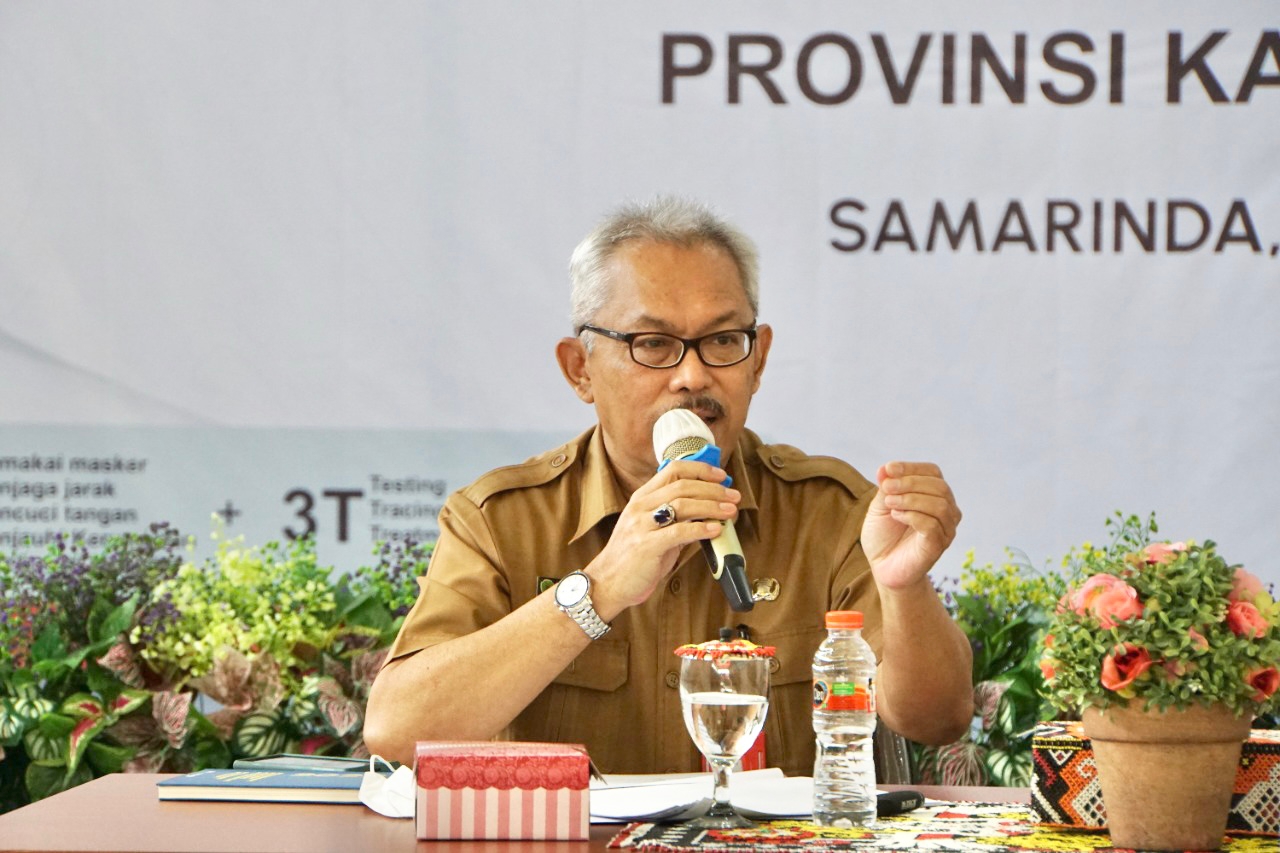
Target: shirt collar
point(602, 497)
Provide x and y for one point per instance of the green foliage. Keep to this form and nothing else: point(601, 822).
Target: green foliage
point(1167, 624)
point(1004, 612)
point(101, 655)
point(272, 600)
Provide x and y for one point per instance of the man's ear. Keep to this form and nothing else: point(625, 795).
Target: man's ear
point(764, 340)
point(571, 354)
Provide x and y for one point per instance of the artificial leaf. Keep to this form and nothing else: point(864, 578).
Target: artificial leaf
point(134, 730)
point(961, 763)
point(43, 781)
point(211, 752)
point(82, 705)
point(336, 670)
point(367, 611)
point(121, 661)
point(23, 684)
point(84, 732)
point(45, 747)
point(343, 714)
point(129, 700)
point(33, 707)
point(56, 725)
point(259, 734)
point(12, 724)
point(105, 758)
point(48, 646)
point(114, 623)
point(365, 667)
point(170, 711)
point(147, 760)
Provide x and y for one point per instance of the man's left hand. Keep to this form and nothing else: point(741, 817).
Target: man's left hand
point(910, 523)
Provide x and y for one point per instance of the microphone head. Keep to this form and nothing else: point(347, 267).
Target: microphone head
point(680, 433)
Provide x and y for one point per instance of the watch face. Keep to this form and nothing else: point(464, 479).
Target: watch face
point(571, 589)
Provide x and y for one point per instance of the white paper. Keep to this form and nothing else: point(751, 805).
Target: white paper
point(760, 794)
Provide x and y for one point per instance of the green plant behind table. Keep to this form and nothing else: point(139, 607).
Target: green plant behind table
point(63, 615)
point(102, 655)
point(274, 600)
point(1164, 624)
point(1004, 612)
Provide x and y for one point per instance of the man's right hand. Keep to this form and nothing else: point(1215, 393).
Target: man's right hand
point(640, 554)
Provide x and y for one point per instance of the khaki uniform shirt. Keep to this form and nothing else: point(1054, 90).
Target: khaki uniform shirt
point(799, 522)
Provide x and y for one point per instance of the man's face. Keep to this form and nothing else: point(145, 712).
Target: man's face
point(687, 292)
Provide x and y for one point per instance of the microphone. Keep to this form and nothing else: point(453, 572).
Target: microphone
point(682, 435)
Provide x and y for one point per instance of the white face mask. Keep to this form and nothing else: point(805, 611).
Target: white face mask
point(389, 796)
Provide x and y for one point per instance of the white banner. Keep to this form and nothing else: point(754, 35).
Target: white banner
point(1037, 245)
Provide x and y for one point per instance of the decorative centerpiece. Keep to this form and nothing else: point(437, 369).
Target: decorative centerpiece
point(1167, 652)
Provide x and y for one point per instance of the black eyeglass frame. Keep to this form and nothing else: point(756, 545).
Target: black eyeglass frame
point(686, 344)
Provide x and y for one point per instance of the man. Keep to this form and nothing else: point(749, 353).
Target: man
point(664, 312)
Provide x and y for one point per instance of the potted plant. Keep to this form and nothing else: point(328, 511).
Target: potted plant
point(1167, 652)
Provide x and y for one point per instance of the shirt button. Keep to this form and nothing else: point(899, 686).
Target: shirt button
point(675, 586)
point(558, 460)
point(776, 461)
point(673, 679)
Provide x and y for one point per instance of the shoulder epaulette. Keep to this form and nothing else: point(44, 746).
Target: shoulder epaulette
point(792, 464)
point(537, 471)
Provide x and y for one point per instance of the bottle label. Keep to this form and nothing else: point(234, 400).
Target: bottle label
point(842, 696)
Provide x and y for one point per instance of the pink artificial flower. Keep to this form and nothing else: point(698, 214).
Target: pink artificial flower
point(1264, 680)
point(1124, 665)
point(1162, 552)
point(1246, 587)
point(1108, 598)
point(1245, 620)
point(1200, 641)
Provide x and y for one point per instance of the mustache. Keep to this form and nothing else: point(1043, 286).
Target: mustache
point(702, 404)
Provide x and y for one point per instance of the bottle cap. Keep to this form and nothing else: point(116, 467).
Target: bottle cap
point(844, 619)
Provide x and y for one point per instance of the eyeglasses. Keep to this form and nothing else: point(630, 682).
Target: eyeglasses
point(654, 349)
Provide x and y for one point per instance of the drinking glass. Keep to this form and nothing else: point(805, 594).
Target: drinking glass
point(725, 700)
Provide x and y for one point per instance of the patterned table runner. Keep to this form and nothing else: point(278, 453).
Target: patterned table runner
point(936, 828)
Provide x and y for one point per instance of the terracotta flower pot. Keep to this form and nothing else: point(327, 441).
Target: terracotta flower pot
point(1166, 776)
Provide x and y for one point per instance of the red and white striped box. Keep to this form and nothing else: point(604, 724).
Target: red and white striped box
point(470, 790)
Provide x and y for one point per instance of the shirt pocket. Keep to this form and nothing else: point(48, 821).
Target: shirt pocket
point(789, 725)
point(573, 698)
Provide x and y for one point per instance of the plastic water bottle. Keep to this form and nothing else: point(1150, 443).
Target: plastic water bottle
point(844, 720)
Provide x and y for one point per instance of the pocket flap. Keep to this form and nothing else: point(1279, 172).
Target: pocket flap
point(601, 666)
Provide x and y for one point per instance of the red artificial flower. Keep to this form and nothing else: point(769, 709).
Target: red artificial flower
point(1047, 670)
point(1198, 639)
point(1124, 665)
point(1264, 680)
point(1245, 620)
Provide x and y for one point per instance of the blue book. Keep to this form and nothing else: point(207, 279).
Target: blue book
point(263, 786)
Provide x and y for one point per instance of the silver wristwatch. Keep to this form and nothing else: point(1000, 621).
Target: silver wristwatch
point(573, 596)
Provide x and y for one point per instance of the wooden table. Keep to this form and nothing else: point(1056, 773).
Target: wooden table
point(121, 812)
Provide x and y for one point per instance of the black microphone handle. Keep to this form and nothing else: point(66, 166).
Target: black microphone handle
point(733, 580)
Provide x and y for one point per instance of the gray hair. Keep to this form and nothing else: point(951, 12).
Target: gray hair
point(665, 219)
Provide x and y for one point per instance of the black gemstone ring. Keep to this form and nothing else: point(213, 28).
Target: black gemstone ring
point(664, 515)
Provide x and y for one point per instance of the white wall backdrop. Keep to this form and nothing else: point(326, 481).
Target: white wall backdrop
point(301, 245)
